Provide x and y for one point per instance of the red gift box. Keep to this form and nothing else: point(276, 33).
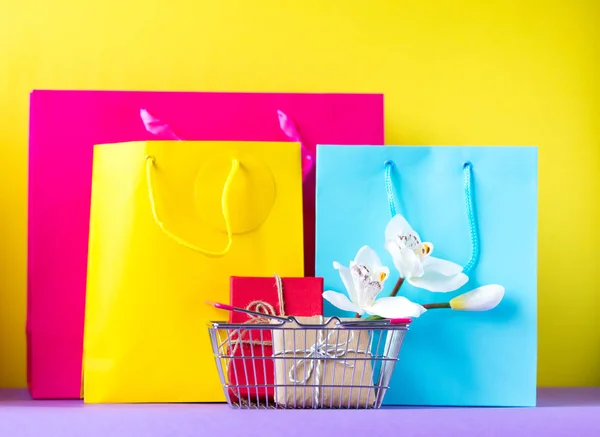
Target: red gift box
point(272, 295)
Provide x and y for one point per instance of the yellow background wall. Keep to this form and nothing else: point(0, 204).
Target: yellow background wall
point(462, 72)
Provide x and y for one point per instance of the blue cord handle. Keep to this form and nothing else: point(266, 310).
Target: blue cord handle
point(469, 202)
point(389, 186)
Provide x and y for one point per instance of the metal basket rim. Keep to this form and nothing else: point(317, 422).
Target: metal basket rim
point(338, 323)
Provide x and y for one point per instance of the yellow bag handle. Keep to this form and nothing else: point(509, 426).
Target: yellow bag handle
point(235, 164)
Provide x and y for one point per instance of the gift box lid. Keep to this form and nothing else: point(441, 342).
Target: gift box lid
point(278, 296)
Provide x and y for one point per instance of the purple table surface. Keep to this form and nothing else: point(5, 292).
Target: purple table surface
point(569, 412)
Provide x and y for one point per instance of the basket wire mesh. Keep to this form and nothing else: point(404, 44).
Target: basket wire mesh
point(336, 363)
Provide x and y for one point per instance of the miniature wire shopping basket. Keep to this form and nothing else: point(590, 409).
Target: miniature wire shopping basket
point(300, 362)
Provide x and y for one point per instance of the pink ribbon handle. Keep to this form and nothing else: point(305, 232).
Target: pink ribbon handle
point(156, 126)
point(160, 129)
point(289, 129)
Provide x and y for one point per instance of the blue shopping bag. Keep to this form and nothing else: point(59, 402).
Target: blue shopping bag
point(478, 206)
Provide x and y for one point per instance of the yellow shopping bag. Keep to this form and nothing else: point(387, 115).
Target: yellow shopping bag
point(170, 223)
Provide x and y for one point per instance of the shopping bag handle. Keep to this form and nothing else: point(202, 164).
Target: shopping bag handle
point(469, 205)
point(235, 165)
point(288, 127)
point(160, 129)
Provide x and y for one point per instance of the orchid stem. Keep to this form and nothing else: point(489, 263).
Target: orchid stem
point(397, 287)
point(429, 306)
point(434, 306)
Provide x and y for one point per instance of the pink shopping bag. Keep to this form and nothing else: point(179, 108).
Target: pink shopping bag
point(65, 125)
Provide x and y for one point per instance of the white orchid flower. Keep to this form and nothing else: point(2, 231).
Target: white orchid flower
point(364, 281)
point(414, 262)
point(480, 299)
